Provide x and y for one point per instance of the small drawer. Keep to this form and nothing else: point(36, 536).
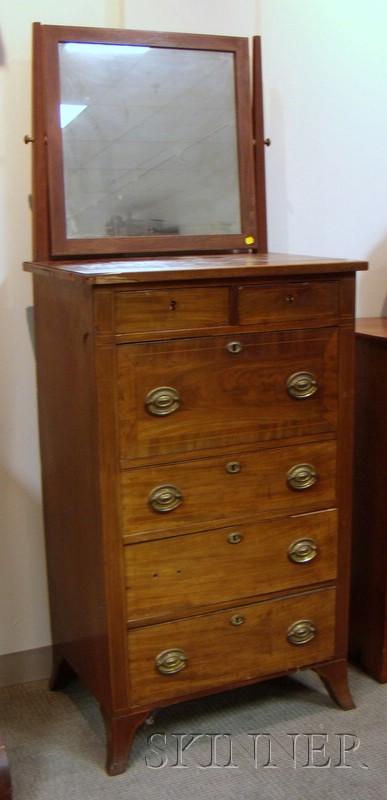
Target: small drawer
point(168, 575)
point(286, 480)
point(176, 658)
point(171, 309)
point(283, 302)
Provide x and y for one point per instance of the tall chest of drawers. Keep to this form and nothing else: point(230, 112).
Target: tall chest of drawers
point(196, 441)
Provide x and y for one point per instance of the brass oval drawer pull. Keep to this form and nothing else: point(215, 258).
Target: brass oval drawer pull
point(233, 467)
point(301, 385)
point(301, 632)
point(165, 498)
point(302, 550)
point(234, 347)
point(171, 661)
point(302, 476)
point(162, 401)
point(237, 619)
point(234, 538)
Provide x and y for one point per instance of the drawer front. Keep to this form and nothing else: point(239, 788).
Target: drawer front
point(283, 480)
point(292, 301)
point(169, 575)
point(231, 646)
point(171, 309)
point(176, 396)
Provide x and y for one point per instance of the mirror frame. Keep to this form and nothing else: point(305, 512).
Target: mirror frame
point(50, 238)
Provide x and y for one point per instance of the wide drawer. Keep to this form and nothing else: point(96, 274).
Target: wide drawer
point(169, 575)
point(176, 396)
point(287, 302)
point(171, 309)
point(283, 480)
point(179, 658)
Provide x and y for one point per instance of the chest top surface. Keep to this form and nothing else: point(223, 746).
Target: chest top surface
point(164, 269)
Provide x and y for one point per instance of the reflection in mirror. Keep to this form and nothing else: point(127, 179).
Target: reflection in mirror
point(149, 141)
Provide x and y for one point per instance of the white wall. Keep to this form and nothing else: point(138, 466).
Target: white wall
point(325, 87)
point(223, 17)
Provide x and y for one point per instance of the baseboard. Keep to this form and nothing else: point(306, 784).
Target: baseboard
point(25, 666)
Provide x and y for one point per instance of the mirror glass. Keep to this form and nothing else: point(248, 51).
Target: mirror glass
point(145, 142)
point(149, 141)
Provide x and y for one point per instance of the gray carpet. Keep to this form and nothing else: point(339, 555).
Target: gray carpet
point(279, 739)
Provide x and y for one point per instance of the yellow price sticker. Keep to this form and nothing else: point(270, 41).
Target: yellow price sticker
point(249, 240)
